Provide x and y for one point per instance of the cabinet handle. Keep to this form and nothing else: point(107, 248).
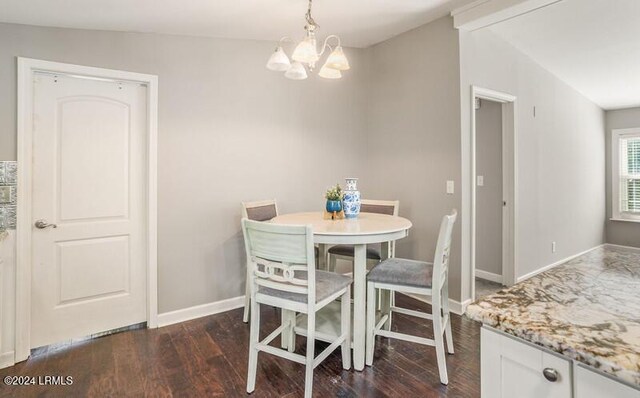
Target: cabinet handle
point(550, 374)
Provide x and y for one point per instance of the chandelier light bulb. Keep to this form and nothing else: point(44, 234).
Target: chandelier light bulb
point(329, 73)
point(278, 61)
point(296, 72)
point(306, 51)
point(337, 60)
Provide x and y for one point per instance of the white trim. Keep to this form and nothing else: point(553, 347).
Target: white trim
point(467, 7)
point(488, 276)
point(622, 247)
point(7, 359)
point(624, 220)
point(198, 311)
point(481, 14)
point(26, 68)
point(549, 266)
point(616, 135)
point(510, 189)
point(454, 306)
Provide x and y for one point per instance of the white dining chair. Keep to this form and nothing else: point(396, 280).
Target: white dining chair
point(287, 279)
point(262, 210)
point(414, 277)
point(346, 252)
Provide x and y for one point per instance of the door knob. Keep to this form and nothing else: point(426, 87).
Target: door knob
point(42, 224)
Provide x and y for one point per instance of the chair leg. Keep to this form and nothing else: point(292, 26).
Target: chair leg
point(346, 328)
point(247, 297)
point(438, 337)
point(385, 306)
point(332, 263)
point(311, 340)
point(292, 332)
point(447, 314)
point(254, 335)
point(393, 304)
point(288, 336)
point(284, 336)
point(371, 323)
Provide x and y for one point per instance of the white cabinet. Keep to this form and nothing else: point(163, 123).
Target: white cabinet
point(590, 384)
point(513, 368)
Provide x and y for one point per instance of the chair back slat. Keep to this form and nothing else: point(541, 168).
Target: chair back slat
point(388, 207)
point(280, 247)
point(442, 255)
point(279, 254)
point(279, 272)
point(263, 210)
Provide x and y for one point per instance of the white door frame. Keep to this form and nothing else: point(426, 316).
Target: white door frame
point(26, 69)
point(509, 185)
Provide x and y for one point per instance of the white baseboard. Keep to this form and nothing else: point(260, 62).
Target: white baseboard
point(455, 306)
point(637, 249)
point(198, 311)
point(489, 276)
point(7, 359)
point(548, 267)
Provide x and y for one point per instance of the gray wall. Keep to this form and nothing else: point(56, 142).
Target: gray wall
point(413, 137)
point(620, 232)
point(229, 130)
point(489, 196)
point(560, 152)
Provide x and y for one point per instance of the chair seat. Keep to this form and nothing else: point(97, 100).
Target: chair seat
point(327, 283)
point(348, 250)
point(402, 272)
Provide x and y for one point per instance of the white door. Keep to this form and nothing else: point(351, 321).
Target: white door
point(89, 173)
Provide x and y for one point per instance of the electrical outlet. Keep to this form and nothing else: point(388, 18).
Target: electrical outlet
point(553, 247)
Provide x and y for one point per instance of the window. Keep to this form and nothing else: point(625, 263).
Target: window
point(626, 174)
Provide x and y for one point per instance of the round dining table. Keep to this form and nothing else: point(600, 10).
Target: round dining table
point(367, 228)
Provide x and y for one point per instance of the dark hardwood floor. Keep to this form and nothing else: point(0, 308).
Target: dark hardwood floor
point(207, 357)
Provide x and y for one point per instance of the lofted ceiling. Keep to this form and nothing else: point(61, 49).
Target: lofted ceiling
point(360, 23)
point(592, 45)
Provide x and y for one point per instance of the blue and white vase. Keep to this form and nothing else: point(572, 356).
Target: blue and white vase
point(351, 200)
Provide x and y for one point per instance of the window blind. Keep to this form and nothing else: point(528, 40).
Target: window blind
point(630, 174)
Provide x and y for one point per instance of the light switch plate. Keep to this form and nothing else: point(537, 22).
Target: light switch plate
point(480, 181)
point(450, 187)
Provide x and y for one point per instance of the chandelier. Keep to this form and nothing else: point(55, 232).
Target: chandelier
point(306, 55)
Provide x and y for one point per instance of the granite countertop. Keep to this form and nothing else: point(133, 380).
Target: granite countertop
point(587, 309)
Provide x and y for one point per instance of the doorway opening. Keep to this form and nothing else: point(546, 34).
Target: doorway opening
point(493, 184)
point(489, 198)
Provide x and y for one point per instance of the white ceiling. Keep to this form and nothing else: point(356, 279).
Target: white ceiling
point(360, 23)
point(593, 45)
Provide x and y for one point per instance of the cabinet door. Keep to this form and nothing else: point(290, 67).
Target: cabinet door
point(590, 384)
point(512, 368)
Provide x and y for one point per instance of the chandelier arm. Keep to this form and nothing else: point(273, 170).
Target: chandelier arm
point(286, 39)
point(326, 44)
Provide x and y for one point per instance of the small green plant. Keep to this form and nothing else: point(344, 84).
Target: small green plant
point(334, 193)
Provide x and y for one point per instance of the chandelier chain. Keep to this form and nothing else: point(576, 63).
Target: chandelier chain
point(309, 18)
